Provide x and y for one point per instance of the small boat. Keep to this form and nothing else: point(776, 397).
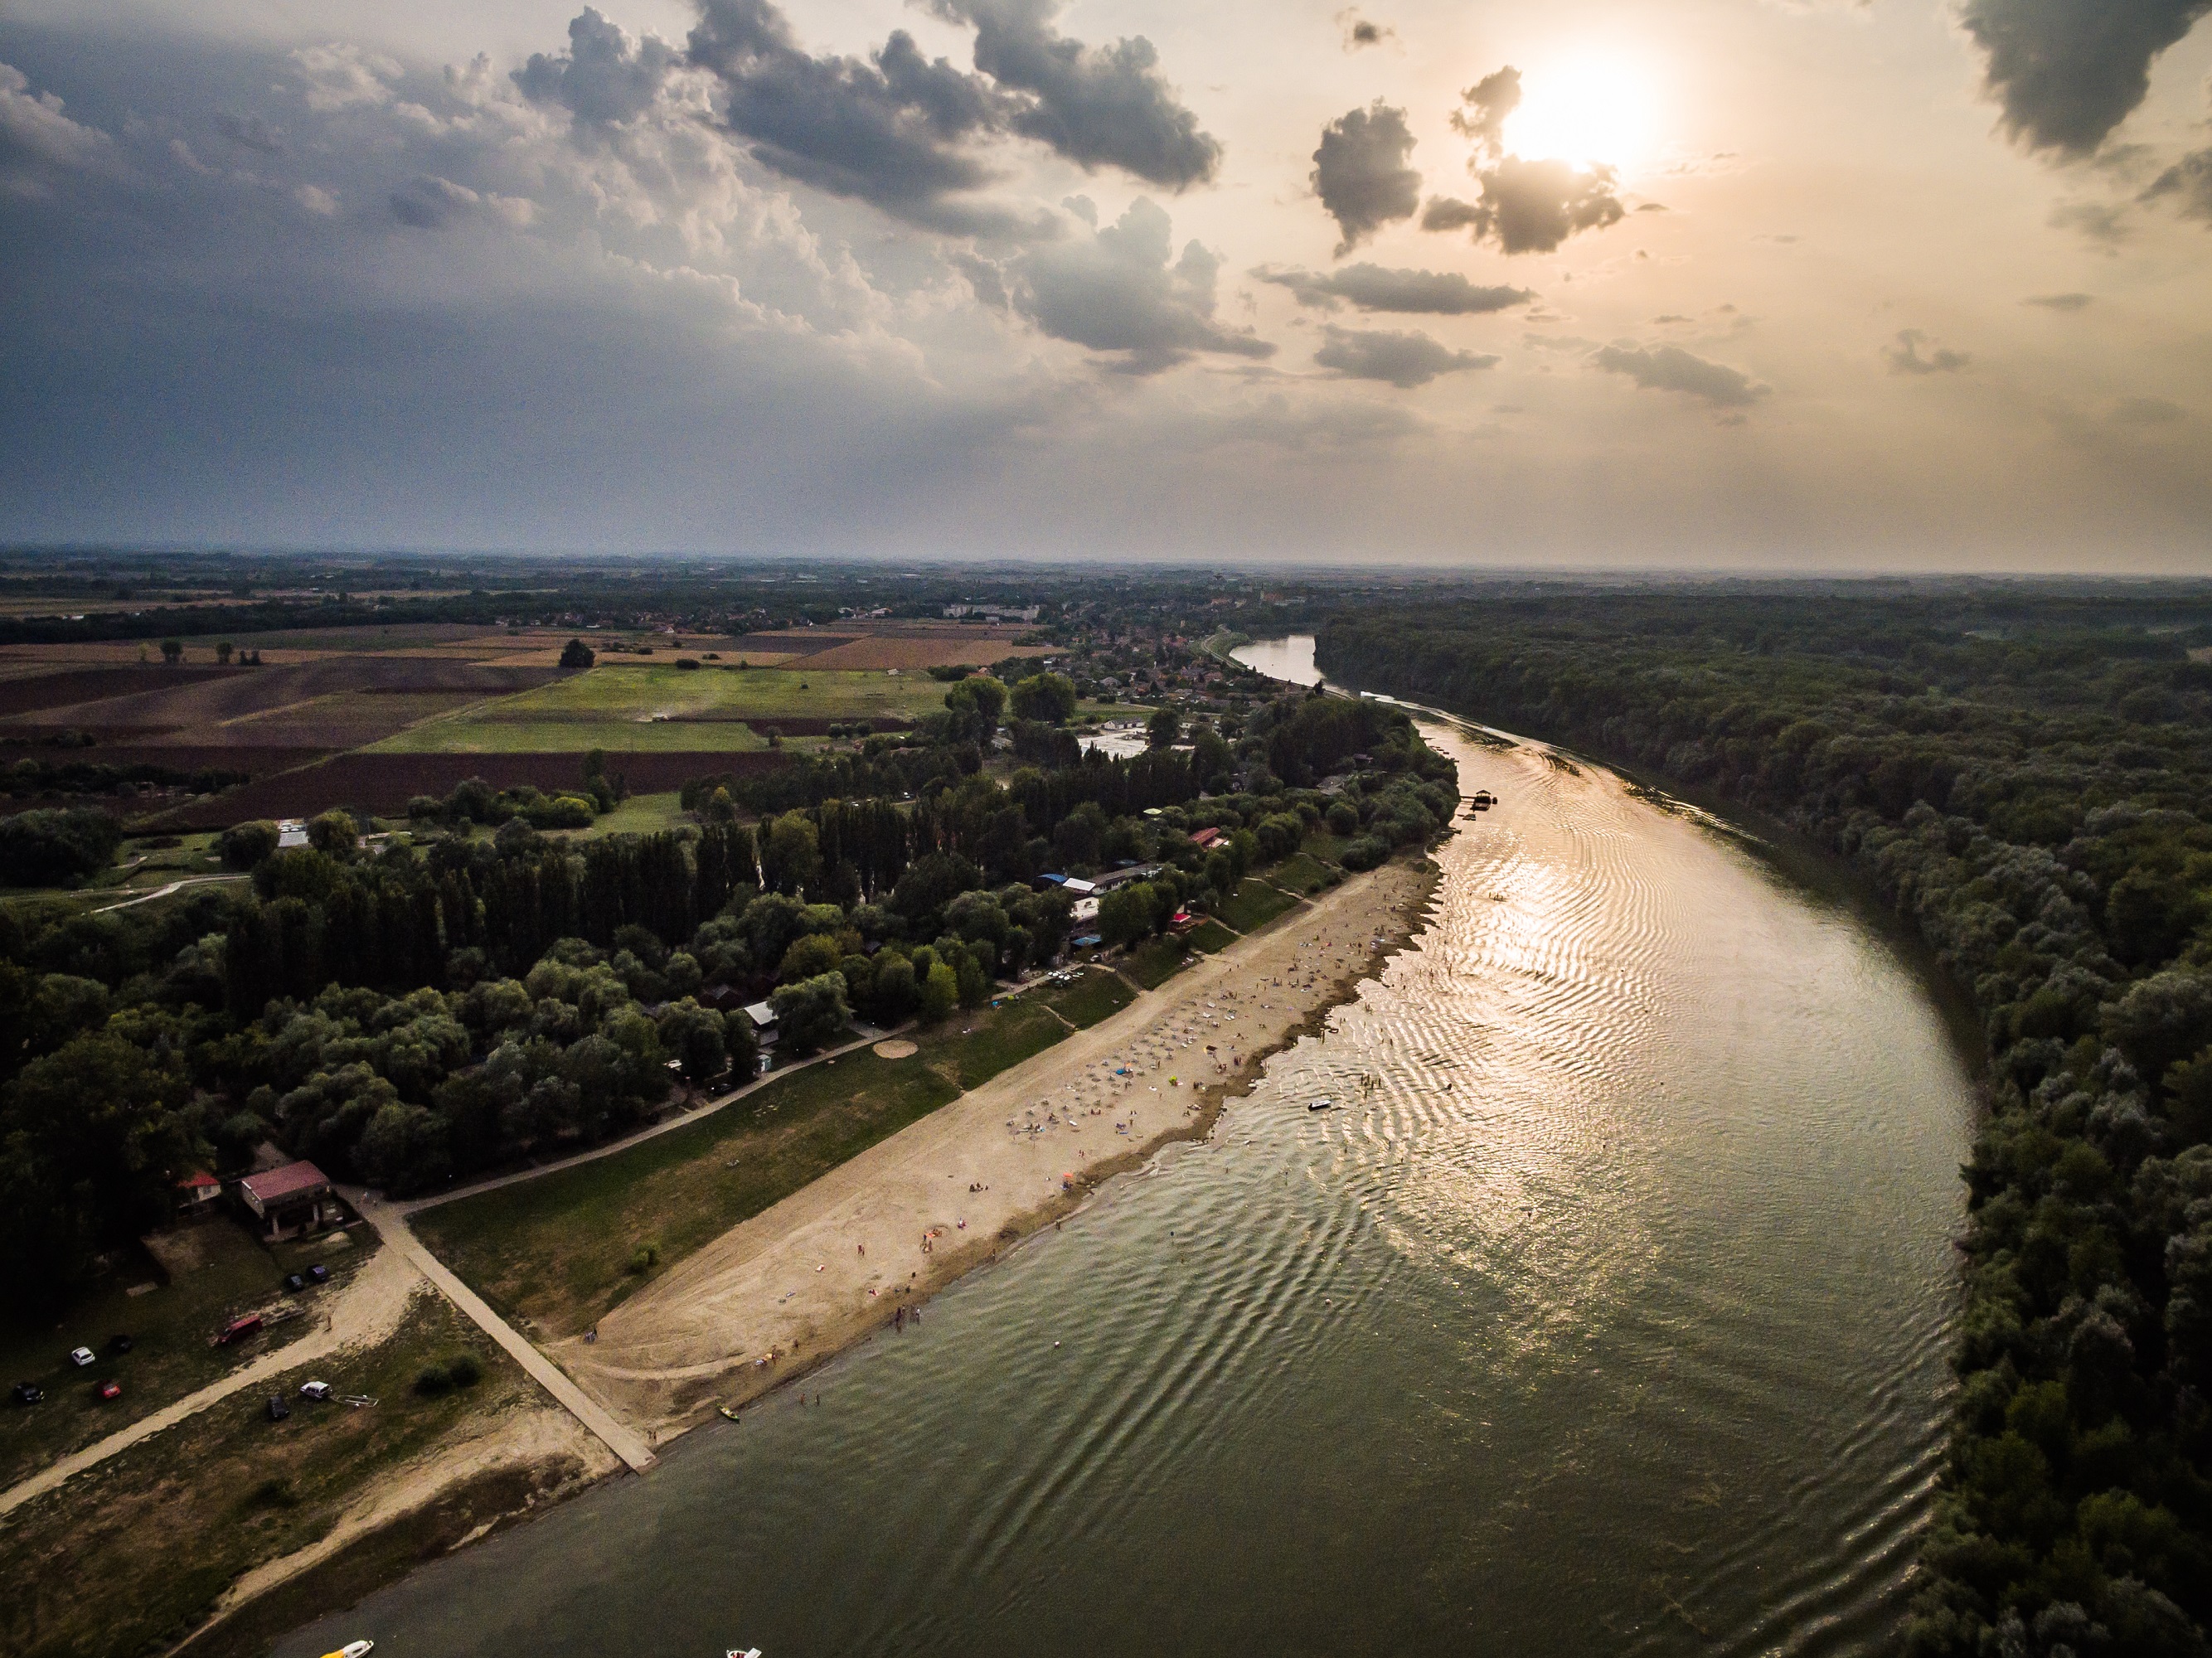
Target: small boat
point(727, 1411)
point(353, 1649)
point(1322, 1104)
point(743, 1652)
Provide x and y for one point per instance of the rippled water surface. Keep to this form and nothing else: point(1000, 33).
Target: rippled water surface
point(1607, 1317)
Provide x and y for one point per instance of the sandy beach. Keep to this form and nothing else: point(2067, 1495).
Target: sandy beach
point(776, 1296)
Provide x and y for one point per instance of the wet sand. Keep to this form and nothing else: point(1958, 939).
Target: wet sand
point(776, 1296)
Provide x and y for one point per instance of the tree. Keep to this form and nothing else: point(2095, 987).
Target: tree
point(790, 853)
point(47, 847)
point(694, 1036)
point(940, 994)
point(173, 651)
point(577, 654)
point(222, 653)
point(811, 1013)
point(334, 834)
point(1048, 697)
point(1125, 914)
point(1162, 728)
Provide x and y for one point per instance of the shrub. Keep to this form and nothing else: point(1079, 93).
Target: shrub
point(644, 1259)
point(243, 845)
point(463, 1369)
point(44, 848)
point(1366, 853)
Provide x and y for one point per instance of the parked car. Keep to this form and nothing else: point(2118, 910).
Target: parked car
point(81, 1357)
point(315, 1390)
point(294, 1281)
point(239, 1328)
point(120, 1343)
point(318, 1273)
point(109, 1390)
point(278, 1410)
point(24, 1393)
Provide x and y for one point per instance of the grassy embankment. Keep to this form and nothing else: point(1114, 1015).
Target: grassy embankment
point(222, 1273)
point(658, 707)
point(134, 1554)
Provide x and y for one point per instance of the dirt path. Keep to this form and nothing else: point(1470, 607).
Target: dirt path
point(908, 1215)
point(365, 1310)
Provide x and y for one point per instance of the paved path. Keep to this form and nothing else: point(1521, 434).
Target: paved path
point(365, 1310)
point(163, 892)
point(390, 1223)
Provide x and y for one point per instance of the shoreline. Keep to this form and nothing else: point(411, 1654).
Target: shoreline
point(1389, 908)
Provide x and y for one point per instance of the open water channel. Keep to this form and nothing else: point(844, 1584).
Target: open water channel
point(1606, 1313)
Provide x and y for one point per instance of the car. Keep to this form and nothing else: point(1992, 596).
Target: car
point(24, 1393)
point(294, 1281)
point(278, 1410)
point(81, 1357)
point(315, 1390)
point(109, 1390)
point(120, 1343)
point(237, 1329)
point(318, 1273)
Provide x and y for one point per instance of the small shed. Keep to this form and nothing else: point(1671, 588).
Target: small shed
point(197, 1190)
point(291, 1200)
point(764, 1018)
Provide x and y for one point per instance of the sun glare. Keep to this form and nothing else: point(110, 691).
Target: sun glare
point(1588, 112)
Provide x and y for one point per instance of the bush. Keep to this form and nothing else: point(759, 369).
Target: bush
point(577, 654)
point(461, 1370)
point(46, 847)
point(1366, 853)
point(243, 845)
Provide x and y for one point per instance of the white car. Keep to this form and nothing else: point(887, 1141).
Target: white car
point(81, 1357)
point(314, 1390)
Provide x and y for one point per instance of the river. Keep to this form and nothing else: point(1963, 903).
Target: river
point(1609, 1317)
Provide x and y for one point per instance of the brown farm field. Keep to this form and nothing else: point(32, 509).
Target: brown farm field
point(384, 783)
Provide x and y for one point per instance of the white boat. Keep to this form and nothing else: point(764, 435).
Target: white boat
point(1322, 1104)
point(353, 1649)
point(743, 1652)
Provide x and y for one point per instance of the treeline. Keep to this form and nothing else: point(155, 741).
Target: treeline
point(2032, 786)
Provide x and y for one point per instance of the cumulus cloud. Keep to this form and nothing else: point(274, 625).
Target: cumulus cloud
point(1374, 287)
point(2066, 72)
point(1097, 106)
point(38, 140)
point(2189, 180)
point(429, 202)
point(1114, 290)
point(1913, 353)
point(1404, 360)
point(1530, 207)
point(1525, 206)
point(1361, 33)
point(344, 76)
point(1360, 172)
point(1670, 368)
point(605, 77)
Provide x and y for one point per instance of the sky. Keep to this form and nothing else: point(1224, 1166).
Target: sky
point(1911, 284)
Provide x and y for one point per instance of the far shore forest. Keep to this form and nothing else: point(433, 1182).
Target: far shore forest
point(482, 957)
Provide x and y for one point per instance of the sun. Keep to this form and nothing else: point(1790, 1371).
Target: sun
point(1591, 111)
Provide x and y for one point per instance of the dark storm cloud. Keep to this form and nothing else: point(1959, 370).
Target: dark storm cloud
point(1097, 106)
point(604, 78)
point(893, 129)
point(1530, 207)
point(1906, 356)
point(1116, 291)
point(1360, 172)
point(1404, 360)
point(2190, 181)
point(1374, 287)
point(2067, 72)
point(1670, 368)
point(1361, 33)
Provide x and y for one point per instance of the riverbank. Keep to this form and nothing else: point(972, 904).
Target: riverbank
point(786, 1291)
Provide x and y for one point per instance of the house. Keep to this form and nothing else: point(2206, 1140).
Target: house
point(196, 1191)
point(720, 998)
point(1085, 909)
point(292, 1199)
point(1204, 838)
point(1116, 877)
point(1078, 890)
point(764, 1018)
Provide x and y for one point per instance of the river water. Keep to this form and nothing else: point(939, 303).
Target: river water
point(1608, 1317)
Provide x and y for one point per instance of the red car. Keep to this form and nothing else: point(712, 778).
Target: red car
point(239, 1328)
point(109, 1390)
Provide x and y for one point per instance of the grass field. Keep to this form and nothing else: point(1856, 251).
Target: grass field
point(1210, 936)
point(129, 1557)
point(1255, 903)
point(468, 733)
point(1156, 961)
point(1301, 872)
point(1089, 1000)
point(171, 1357)
point(558, 1250)
point(976, 1047)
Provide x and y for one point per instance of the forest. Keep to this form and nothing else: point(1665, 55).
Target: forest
point(414, 1007)
point(2028, 781)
